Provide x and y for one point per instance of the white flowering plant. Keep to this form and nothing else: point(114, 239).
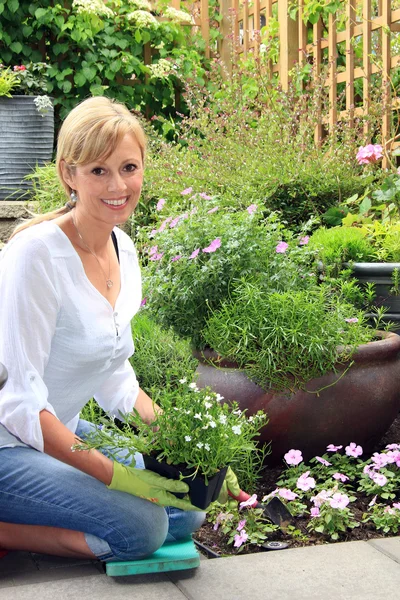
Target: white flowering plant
point(28, 80)
point(195, 429)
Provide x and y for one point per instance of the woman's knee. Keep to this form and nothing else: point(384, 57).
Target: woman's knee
point(183, 523)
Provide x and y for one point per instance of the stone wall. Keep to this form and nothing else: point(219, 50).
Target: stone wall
point(11, 213)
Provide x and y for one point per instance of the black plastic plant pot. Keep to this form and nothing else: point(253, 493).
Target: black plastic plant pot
point(201, 494)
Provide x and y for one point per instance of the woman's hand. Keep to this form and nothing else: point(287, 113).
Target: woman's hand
point(146, 408)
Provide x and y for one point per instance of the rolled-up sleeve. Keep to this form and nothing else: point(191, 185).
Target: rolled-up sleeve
point(119, 393)
point(29, 306)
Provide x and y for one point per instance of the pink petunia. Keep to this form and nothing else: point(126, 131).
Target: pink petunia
point(194, 253)
point(314, 511)
point(177, 257)
point(353, 450)
point(281, 247)
point(321, 497)
point(293, 457)
point(340, 477)
point(369, 154)
point(187, 191)
point(215, 244)
point(251, 209)
point(304, 240)
point(393, 446)
point(160, 204)
point(305, 482)
point(250, 502)
point(396, 505)
point(213, 210)
point(339, 500)
point(323, 461)
point(241, 524)
point(333, 448)
point(373, 501)
point(378, 478)
point(240, 538)
point(287, 494)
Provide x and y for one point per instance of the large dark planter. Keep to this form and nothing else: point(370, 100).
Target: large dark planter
point(201, 493)
point(359, 407)
point(26, 140)
point(381, 275)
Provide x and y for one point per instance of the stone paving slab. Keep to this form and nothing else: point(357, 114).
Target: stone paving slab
point(345, 571)
point(389, 546)
point(100, 587)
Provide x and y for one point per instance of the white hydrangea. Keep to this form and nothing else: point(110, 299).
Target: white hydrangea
point(92, 7)
point(43, 104)
point(178, 16)
point(142, 18)
point(140, 4)
point(159, 70)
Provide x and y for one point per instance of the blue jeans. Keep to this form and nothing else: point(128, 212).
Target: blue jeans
point(36, 489)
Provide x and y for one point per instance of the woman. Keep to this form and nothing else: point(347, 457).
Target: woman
point(69, 287)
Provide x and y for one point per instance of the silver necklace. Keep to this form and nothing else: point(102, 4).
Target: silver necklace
point(109, 281)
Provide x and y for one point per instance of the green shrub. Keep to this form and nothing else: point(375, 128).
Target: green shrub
point(341, 244)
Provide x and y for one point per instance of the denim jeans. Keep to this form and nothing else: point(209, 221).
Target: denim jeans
point(36, 489)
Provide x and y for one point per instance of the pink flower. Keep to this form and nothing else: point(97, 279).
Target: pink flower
point(175, 222)
point(304, 240)
point(333, 448)
point(293, 457)
point(398, 171)
point(241, 524)
point(212, 210)
point(339, 500)
point(213, 246)
point(194, 253)
point(187, 191)
point(368, 469)
point(323, 461)
point(160, 203)
point(240, 538)
point(393, 446)
point(396, 505)
point(380, 460)
point(19, 68)
point(153, 250)
point(153, 233)
point(340, 477)
point(373, 501)
point(287, 494)
point(352, 320)
point(369, 154)
point(323, 496)
point(353, 450)
point(143, 302)
point(157, 256)
point(177, 257)
point(281, 247)
point(314, 511)
point(305, 482)
point(205, 196)
point(379, 479)
point(251, 209)
point(194, 210)
point(389, 510)
point(250, 502)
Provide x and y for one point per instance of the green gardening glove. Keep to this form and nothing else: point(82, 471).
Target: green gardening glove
point(230, 487)
point(150, 486)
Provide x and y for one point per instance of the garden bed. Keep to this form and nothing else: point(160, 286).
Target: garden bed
point(217, 542)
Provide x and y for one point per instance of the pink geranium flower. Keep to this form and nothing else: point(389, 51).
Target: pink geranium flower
point(293, 457)
point(153, 250)
point(187, 191)
point(177, 257)
point(212, 210)
point(157, 256)
point(340, 477)
point(369, 154)
point(194, 253)
point(304, 240)
point(160, 203)
point(353, 450)
point(281, 247)
point(323, 461)
point(339, 500)
point(205, 196)
point(240, 538)
point(251, 209)
point(213, 246)
point(333, 448)
point(305, 482)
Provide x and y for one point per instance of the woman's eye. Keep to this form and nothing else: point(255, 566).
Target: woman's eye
point(130, 168)
point(97, 171)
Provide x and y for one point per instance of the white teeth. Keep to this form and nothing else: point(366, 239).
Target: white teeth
point(115, 202)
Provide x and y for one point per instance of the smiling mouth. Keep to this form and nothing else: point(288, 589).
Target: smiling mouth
point(119, 202)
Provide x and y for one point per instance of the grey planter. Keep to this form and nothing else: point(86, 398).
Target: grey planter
point(381, 275)
point(26, 140)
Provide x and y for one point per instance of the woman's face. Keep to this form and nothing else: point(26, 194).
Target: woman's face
point(108, 190)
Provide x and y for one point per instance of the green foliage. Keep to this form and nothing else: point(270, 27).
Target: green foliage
point(385, 518)
point(30, 79)
point(8, 81)
point(333, 522)
point(161, 359)
point(341, 244)
point(47, 191)
point(284, 339)
point(194, 428)
point(96, 48)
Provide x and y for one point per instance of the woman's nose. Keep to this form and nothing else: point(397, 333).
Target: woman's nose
point(116, 183)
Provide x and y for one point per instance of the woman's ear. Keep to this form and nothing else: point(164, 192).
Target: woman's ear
point(67, 174)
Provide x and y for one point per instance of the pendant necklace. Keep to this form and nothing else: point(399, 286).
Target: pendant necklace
point(109, 282)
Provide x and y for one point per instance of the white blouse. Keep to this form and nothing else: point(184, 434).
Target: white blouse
point(60, 339)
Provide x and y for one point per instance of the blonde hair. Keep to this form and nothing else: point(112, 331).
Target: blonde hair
point(91, 131)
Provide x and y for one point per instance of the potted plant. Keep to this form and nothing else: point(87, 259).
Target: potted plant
point(195, 438)
point(271, 335)
point(26, 125)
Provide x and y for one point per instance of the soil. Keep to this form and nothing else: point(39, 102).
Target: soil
point(215, 542)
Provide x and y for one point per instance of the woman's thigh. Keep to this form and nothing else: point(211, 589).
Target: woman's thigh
point(36, 489)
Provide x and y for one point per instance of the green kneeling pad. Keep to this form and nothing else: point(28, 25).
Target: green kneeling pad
point(172, 556)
